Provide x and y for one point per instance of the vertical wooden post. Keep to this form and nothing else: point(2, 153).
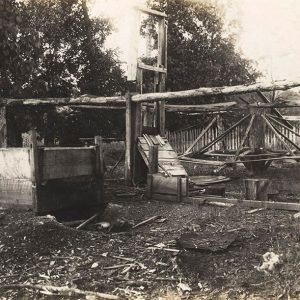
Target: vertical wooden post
point(258, 130)
point(162, 61)
point(137, 132)
point(134, 25)
point(128, 141)
point(35, 176)
point(99, 169)
point(3, 128)
point(153, 159)
point(179, 188)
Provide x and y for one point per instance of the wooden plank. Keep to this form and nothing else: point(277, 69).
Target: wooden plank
point(221, 136)
point(202, 161)
point(3, 127)
point(251, 203)
point(214, 107)
point(164, 154)
point(151, 68)
point(99, 169)
point(168, 185)
point(213, 91)
point(278, 136)
point(63, 163)
point(35, 172)
point(15, 192)
point(167, 147)
point(15, 163)
point(200, 136)
point(153, 159)
point(152, 12)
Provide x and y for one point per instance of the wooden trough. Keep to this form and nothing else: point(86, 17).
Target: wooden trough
point(51, 179)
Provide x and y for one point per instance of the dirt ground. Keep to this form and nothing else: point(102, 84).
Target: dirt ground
point(151, 261)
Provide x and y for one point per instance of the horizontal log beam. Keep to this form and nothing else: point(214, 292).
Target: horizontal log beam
point(98, 107)
point(202, 107)
point(152, 68)
point(213, 91)
point(152, 12)
point(84, 100)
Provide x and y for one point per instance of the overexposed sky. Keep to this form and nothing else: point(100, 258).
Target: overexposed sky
point(269, 33)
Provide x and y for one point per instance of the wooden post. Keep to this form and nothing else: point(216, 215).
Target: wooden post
point(99, 169)
point(149, 186)
point(133, 131)
point(35, 176)
point(3, 128)
point(179, 189)
point(162, 61)
point(153, 159)
point(256, 189)
point(128, 142)
point(258, 130)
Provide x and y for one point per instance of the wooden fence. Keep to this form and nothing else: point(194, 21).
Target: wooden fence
point(182, 139)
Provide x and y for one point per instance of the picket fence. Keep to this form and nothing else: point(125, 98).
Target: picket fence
point(181, 140)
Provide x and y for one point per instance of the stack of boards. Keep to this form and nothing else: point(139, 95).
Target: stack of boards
point(168, 162)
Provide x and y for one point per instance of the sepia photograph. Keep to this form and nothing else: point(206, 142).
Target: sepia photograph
point(150, 149)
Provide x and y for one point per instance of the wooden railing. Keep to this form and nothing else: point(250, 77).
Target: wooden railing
point(182, 139)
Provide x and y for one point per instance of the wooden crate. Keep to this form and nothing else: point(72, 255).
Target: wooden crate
point(51, 179)
point(173, 188)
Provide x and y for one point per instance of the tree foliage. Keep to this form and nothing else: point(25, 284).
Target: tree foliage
point(202, 51)
point(54, 48)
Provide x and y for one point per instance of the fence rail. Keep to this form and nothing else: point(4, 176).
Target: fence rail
point(181, 140)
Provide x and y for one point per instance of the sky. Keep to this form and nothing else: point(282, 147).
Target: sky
point(269, 31)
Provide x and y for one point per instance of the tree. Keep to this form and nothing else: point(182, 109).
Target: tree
point(201, 51)
point(61, 51)
point(19, 49)
point(73, 57)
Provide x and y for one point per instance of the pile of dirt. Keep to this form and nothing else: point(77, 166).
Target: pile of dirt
point(26, 238)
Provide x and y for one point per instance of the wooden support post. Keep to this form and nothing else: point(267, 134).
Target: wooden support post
point(258, 130)
point(133, 131)
point(153, 159)
point(162, 61)
point(256, 189)
point(221, 130)
point(3, 128)
point(99, 169)
point(179, 189)
point(149, 186)
point(128, 142)
point(35, 176)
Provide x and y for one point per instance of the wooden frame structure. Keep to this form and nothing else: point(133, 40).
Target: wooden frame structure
point(134, 114)
point(51, 179)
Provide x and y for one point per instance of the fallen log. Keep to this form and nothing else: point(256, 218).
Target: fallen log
point(61, 290)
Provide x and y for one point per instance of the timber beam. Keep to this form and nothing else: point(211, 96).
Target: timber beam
point(213, 91)
point(84, 100)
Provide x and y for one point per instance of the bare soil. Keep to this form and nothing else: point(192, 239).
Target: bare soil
point(147, 262)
